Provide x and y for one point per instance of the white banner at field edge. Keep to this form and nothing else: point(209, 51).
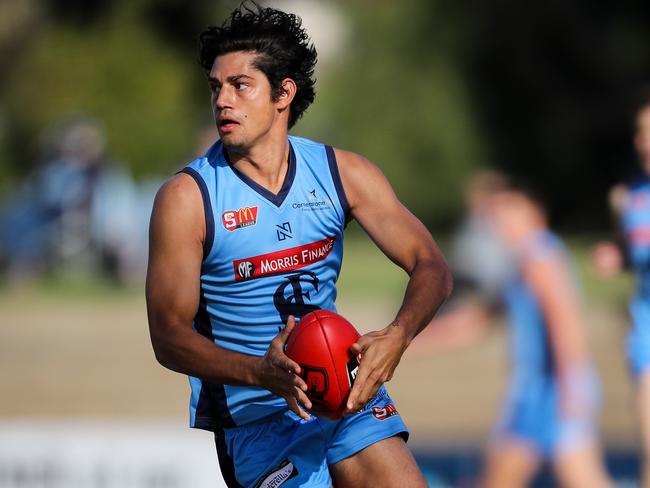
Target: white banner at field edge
point(106, 454)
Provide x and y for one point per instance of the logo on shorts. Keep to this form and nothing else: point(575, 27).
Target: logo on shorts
point(237, 219)
point(277, 476)
point(382, 413)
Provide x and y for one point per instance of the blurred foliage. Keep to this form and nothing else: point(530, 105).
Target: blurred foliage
point(399, 99)
point(115, 70)
point(125, 63)
point(428, 90)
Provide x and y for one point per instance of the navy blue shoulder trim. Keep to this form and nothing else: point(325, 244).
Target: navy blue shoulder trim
point(207, 207)
point(338, 184)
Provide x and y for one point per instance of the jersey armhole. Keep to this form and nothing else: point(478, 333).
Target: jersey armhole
point(338, 184)
point(207, 209)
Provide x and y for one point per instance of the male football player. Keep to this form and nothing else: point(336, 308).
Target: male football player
point(247, 239)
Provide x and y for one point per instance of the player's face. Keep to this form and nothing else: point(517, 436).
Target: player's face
point(241, 100)
point(514, 217)
point(642, 137)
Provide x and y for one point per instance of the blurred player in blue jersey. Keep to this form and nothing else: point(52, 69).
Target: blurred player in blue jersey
point(549, 413)
point(247, 239)
point(551, 403)
point(631, 204)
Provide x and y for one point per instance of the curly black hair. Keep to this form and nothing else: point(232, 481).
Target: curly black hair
point(284, 49)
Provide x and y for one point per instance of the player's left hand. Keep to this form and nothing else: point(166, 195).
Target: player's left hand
point(380, 352)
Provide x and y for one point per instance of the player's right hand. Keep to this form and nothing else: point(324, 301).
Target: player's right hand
point(280, 374)
point(606, 259)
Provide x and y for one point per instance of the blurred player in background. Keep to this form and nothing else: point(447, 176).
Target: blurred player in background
point(250, 236)
point(631, 206)
point(550, 407)
point(551, 403)
point(481, 266)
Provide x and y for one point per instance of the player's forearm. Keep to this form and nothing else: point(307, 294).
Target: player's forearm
point(183, 350)
point(429, 286)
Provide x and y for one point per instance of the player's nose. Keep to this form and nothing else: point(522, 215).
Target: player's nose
point(224, 99)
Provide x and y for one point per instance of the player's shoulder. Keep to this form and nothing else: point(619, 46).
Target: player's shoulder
point(179, 193)
point(355, 165)
point(303, 141)
point(350, 164)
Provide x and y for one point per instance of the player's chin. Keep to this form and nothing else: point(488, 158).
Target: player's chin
point(229, 139)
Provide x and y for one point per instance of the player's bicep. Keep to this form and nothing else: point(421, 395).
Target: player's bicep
point(175, 254)
point(374, 205)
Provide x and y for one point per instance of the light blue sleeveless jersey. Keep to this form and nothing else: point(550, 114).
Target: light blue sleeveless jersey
point(636, 226)
point(531, 410)
point(530, 348)
point(266, 257)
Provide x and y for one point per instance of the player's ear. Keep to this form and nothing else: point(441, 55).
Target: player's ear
point(287, 94)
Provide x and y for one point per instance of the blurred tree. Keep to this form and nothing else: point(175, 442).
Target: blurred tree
point(429, 90)
point(105, 61)
point(554, 83)
point(398, 98)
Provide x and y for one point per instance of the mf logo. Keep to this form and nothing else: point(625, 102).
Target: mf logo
point(284, 231)
point(236, 219)
point(245, 269)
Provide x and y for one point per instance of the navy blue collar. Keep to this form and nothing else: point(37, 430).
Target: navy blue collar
point(275, 199)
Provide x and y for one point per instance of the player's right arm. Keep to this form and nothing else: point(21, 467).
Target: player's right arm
point(176, 236)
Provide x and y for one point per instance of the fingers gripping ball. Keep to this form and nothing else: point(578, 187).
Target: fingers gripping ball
point(320, 344)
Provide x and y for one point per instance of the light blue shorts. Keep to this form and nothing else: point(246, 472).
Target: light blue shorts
point(532, 415)
point(638, 339)
point(285, 450)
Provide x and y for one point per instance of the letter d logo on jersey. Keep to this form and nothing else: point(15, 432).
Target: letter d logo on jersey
point(236, 219)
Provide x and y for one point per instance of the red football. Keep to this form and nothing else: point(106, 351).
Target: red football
point(320, 344)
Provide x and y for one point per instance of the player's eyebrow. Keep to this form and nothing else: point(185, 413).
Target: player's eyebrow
point(231, 79)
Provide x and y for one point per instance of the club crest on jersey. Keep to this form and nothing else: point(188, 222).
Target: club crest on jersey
point(237, 219)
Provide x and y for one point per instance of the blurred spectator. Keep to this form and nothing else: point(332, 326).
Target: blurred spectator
point(78, 212)
point(631, 206)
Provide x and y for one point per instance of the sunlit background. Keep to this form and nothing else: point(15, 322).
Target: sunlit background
point(102, 101)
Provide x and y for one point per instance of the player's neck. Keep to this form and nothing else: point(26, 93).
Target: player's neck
point(265, 162)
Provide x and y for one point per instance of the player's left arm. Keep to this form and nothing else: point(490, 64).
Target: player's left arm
point(407, 242)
